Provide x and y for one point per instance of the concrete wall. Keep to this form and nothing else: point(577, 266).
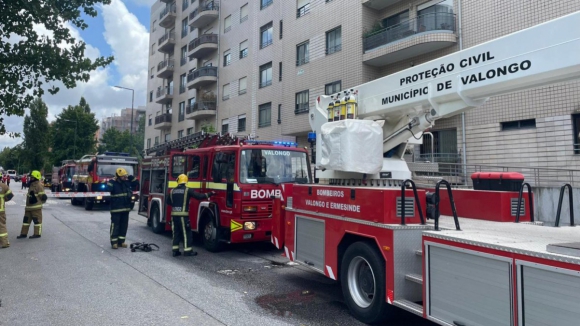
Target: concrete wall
point(546, 205)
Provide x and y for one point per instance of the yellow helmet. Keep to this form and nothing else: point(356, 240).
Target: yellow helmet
point(121, 172)
point(36, 174)
point(181, 179)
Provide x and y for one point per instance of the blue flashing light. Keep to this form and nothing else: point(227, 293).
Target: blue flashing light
point(103, 186)
point(311, 137)
point(275, 143)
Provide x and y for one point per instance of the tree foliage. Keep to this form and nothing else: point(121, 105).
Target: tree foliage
point(27, 59)
point(114, 140)
point(74, 133)
point(36, 135)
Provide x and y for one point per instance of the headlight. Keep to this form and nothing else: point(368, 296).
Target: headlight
point(132, 197)
point(99, 197)
point(250, 208)
point(249, 226)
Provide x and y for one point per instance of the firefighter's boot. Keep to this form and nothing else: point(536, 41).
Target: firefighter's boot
point(190, 253)
point(4, 243)
point(115, 246)
point(123, 245)
point(22, 236)
point(176, 253)
point(35, 236)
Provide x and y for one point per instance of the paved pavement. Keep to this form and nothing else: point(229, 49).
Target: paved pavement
point(71, 276)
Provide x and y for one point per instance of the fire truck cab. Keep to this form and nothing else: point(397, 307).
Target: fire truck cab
point(65, 176)
point(94, 171)
point(244, 174)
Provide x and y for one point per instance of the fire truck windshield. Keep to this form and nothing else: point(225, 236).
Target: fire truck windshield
point(273, 166)
point(109, 170)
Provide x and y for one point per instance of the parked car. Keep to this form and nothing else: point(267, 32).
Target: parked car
point(47, 182)
point(17, 178)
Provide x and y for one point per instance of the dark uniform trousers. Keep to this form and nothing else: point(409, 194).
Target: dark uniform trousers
point(30, 217)
point(181, 228)
point(119, 226)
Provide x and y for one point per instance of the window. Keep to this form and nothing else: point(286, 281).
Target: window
point(396, 19)
point(191, 102)
point(154, 26)
point(224, 167)
point(227, 58)
point(152, 72)
point(280, 71)
point(438, 16)
point(183, 55)
point(332, 88)
point(179, 134)
point(179, 165)
point(156, 140)
point(279, 113)
point(227, 23)
point(153, 49)
point(281, 29)
point(264, 115)
point(184, 4)
point(520, 124)
point(266, 35)
point(151, 96)
point(265, 3)
point(302, 53)
point(194, 163)
point(167, 137)
point(303, 8)
point(226, 92)
point(244, 13)
point(190, 130)
point(266, 75)
point(244, 49)
point(242, 85)
point(181, 116)
point(182, 83)
point(150, 119)
point(301, 102)
point(184, 28)
point(242, 122)
point(334, 40)
point(225, 126)
point(148, 143)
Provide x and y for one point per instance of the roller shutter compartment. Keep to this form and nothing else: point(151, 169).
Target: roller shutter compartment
point(310, 242)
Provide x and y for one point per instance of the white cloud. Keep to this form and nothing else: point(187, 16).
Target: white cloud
point(129, 41)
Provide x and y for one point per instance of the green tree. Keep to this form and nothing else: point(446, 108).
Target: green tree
point(115, 141)
point(36, 135)
point(209, 128)
point(74, 133)
point(33, 59)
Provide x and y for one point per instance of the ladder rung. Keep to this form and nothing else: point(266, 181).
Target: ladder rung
point(413, 307)
point(414, 278)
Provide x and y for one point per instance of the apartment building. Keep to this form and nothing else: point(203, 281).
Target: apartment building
point(255, 67)
point(122, 122)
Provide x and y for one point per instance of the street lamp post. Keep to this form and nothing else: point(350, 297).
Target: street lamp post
point(132, 101)
point(75, 141)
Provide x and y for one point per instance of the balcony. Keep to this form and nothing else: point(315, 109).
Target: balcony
point(163, 121)
point(379, 4)
point(202, 46)
point(167, 42)
point(165, 68)
point(164, 95)
point(424, 34)
point(166, 1)
point(204, 15)
point(167, 16)
point(203, 109)
point(202, 77)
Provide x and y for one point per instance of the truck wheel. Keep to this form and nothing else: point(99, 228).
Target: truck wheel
point(88, 204)
point(209, 235)
point(156, 224)
point(363, 281)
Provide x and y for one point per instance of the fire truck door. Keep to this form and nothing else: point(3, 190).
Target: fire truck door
point(194, 182)
point(222, 177)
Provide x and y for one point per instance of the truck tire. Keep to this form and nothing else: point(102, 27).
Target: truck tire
point(209, 236)
point(363, 281)
point(156, 224)
point(89, 204)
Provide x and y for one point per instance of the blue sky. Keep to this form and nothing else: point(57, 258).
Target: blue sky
point(120, 29)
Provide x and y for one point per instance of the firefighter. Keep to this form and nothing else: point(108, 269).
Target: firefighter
point(33, 210)
point(121, 189)
point(5, 195)
point(178, 199)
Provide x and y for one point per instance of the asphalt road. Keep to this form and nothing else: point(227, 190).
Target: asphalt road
point(71, 276)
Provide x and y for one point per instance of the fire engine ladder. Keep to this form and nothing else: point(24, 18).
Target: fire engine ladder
point(197, 140)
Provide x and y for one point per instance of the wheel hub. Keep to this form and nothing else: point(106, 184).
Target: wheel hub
point(361, 282)
point(208, 232)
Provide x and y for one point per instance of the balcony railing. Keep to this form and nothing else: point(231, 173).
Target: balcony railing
point(162, 91)
point(168, 36)
point(165, 117)
point(202, 72)
point(172, 8)
point(169, 63)
point(333, 49)
point(200, 106)
point(301, 108)
point(205, 38)
point(303, 10)
point(208, 6)
point(265, 83)
point(438, 21)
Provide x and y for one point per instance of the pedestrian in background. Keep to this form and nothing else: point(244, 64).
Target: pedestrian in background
point(121, 189)
point(33, 209)
point(5, 195)
point(23, 180)
point(180, 225)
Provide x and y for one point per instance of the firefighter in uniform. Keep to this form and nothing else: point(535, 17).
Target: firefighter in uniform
point(5, 195)
point(33, 210)
point(121, 189)
point(178, 199)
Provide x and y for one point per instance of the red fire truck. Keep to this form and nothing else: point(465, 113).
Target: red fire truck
point(366, 227)
point(245, 174)
point(94, 171)
point(63, 180)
